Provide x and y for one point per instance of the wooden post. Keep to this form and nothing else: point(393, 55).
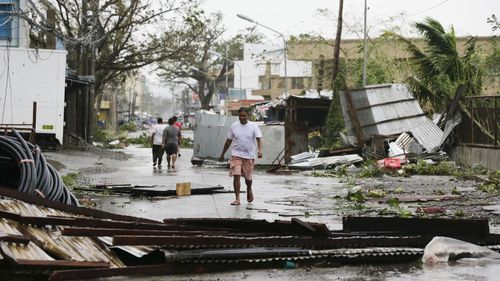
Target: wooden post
point(183, 188)
point(33, 124)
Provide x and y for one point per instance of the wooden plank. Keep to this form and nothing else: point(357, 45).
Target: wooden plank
point(61, 264)
point(432, 226)
point(85, 231)
point(11, 193)
point(315, 229)
point(241, 225)
point(90, 222)
point(10, 238)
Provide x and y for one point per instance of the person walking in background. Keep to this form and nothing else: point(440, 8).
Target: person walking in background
point(170, 143)
point(156, 141)
point(178, 125)
point(244, 135)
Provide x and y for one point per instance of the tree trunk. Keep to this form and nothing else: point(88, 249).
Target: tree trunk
point(336, 49)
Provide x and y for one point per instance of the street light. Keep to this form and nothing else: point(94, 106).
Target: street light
point(284, 43)
point(230, 60)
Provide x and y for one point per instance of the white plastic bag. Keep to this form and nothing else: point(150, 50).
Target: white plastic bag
point(443, 249)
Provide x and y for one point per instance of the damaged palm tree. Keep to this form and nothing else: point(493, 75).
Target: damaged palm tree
point(439, 68)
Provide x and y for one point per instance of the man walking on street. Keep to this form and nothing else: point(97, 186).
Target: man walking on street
point(171, 135)
point(178, 125)
point(243, 134)
point(156, 140)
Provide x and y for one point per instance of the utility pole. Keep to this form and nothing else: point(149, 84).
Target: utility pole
point(113, 108)
point(173, 99)
point(87, 65)
point(336, 49)
point(227, 75)
point(364, 49)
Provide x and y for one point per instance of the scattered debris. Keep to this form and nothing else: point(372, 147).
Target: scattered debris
point(137, 190)
point(42, 234)
point(430, 210)
point(426, 198)
point(325, 162)
point(444, 249)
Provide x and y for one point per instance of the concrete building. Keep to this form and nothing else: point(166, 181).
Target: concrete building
point(263, 72)
point(309, 64)
point(13, 30)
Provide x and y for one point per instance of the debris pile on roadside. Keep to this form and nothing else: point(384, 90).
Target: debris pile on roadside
point(54, 241)
point(385, 123)
point(24, 168)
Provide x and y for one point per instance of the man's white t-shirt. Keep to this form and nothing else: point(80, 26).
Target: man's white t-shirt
point(244, 139)
point(157, 130)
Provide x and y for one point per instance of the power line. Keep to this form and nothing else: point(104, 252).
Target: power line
point(428, 9)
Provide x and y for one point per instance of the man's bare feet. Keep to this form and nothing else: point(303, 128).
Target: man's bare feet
point(235, 203)
point(249, 196)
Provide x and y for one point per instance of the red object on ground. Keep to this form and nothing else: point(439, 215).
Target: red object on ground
point(392, 163)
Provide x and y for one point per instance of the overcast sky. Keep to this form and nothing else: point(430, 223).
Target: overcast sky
point(293, 17)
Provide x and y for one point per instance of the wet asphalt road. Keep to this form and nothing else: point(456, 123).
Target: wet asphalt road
point(276, 197)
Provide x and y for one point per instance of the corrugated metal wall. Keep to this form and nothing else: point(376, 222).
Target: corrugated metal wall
point(210, 133)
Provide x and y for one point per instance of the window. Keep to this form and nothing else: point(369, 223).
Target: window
point(264, 83)
point(297, 83)
point(6, 17)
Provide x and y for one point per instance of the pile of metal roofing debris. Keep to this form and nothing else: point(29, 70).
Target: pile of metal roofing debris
point(386, 123)
point(23, 167)
point(55, 241)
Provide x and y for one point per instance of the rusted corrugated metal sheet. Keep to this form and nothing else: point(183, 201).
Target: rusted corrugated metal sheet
point(388, 110)
point(47, 242)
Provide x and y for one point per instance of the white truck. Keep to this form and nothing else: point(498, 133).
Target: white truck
point(27, 76)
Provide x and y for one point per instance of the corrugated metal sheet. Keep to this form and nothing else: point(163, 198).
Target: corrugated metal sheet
point(29, 251)
point(210, 133)
point(48, 241)
point(391, 109)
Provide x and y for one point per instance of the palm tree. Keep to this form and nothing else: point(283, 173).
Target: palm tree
point(439, 68)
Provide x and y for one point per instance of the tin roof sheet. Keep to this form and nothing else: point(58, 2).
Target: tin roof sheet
point(391, 109)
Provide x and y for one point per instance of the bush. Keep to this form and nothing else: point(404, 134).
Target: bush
point(100, 135)
point(143, 140)
point(69, 180)
point(186, 143)
point(370, 170)
point(424, 168)
point(130, 127)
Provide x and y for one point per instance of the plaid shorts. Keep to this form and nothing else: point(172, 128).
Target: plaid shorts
point(241, 167)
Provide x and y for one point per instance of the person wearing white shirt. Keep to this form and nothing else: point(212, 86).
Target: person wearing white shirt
point(156, 140)
point(246, 139)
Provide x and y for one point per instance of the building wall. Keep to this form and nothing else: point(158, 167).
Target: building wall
point(19, 30)
point(268, 61)
point(471, 156)
point(315, 51)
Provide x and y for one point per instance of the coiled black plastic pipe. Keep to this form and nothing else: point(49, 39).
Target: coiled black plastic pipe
point(34, 175)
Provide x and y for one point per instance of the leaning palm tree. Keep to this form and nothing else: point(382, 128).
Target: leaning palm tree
point(439, 68)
